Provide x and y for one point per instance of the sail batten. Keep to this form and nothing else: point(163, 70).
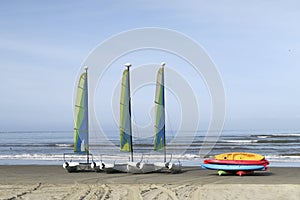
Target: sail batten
point(159, 140)
point(81, 117)
point(125, 115)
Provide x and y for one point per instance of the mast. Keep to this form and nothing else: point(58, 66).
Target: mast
point(163, 97)
point(87, 117)
point(128, 65)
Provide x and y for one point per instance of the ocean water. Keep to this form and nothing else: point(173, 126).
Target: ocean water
point(281, 148)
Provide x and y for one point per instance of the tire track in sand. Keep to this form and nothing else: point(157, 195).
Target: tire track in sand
point(76, 192)
point(169, 192)
point(151, 192)
point(133, 192)
point(159, 192)
point(21, 195)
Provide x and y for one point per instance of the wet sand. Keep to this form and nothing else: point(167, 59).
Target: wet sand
point(53, 182)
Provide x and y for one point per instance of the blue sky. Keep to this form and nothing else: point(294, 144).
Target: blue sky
point(255, 45)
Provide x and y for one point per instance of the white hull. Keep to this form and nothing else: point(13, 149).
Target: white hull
point(130, 167)
point(109, 167)
point(168, 166)
point(119, 167)
point(175, 168)
point(159, 166)
point(76, 166)
point(147, 167)
point(96, 166)
point(71, 166)
point(140, 167)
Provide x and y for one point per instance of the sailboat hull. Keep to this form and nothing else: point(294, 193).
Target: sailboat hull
point(97, 166)
point(140, 167)
point(112, 168)
point(71, 166)
point(109, 167)
point(147, 167)
point(160, 166)
point(175, 168)
point(168, 167)
point(77, 167)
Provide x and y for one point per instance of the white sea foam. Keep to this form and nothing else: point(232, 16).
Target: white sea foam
point(186, 159)
point(96, 157)
point(279, 135)
point(239, 141)
point(263, 136)
point(125, 157)
point(64, 145)
point(284, 157)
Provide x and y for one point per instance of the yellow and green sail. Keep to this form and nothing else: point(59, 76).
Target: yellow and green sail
point(159, 140)
point(81, 117)
point(125, 115)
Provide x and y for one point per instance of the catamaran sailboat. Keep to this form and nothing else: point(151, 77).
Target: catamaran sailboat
point(81, 130)
point(160, 132)
point(126, 127)
point(125, 134)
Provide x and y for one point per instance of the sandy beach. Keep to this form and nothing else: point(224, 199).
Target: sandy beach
point(53, 182)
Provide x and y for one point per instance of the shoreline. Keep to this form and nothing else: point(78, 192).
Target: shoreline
point(53, 182)
point(185, 163)
point(53, 174)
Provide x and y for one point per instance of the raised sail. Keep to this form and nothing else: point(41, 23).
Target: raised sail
point(159, 141)
point(125, 129)
point(81, 117)
point(125, 114)
point(81, 127)
point(160, 133)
